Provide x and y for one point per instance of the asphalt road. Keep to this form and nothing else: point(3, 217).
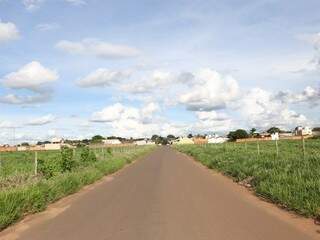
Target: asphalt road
point(164, 196)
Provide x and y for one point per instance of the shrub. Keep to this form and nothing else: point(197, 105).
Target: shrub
point(50, 167)
point(67, 162)
point(87, 156)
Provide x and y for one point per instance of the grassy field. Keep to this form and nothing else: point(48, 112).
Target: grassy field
point(59, 174)
point(290, 178)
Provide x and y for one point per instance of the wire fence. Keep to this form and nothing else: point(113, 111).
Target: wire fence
point(15, 164)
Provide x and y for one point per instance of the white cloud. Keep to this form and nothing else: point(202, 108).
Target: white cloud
point(209, 90)
point(98, 48)
point(309, 95)
point(5, 124)
point(103, 77)
point(47, 26)
point(134, 122)
point(261, 110)
point(8, 32)
point(32, 76)
point(76, 2)
point(157, 80)
point(32, 5)
point(41, 120)
point(26, 100)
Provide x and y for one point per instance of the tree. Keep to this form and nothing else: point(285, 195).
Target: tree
point(97, 139)
point(190, 135)
point(171, 137)
point(273, 130)
point(154, 137)
point(252, 131)
point(238, 134)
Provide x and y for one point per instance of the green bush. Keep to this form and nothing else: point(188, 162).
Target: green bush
point(50, 167)
point(67, 161)
point(87, 156)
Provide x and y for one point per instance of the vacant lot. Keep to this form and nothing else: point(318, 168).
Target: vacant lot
point(290, 178)
point(59, 173)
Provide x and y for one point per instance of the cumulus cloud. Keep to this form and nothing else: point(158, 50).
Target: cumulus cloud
point(103, 77)
point(43, 27)
point(26, 100)
point(5, 124)
point(8, 32)
point(309, 95)
point(76, 2)
point(98, 48)
point(157, 80)
point(128, 121)
point(32, 5)
point(209, 90)
point(260, 109)
point(33, 77)
point(41, 120)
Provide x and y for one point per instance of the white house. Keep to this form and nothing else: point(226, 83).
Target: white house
point(55, 144)
point(302, 131)
point(22, 148)
point(216, 139)
point(113, 141)
point(52, 146)
point(275, 136)
point(183, 140)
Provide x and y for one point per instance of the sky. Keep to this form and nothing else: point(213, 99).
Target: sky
point(76, 68)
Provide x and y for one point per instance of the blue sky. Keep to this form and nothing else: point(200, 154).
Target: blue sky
point(74, 68)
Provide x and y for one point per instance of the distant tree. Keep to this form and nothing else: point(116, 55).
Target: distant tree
point(25, 144)
point(273, 130)
point(97, 139)
point(171, 137)
point(42, 143)
point(154, 137)
point(190, 135)
point(252, 131)
point(238, 134)
point(316, 129)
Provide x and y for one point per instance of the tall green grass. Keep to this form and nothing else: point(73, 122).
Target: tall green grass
point(17, 201)
point(291, 179)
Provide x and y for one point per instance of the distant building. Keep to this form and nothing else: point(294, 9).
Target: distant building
point(302, 131)
point(57, 140)
point(183, 140)
point(114, 141)
point(55, 144)
point(141, 142)
point(275, 136)
point(216, 139)
point(316, 132)
point(199, 140)
point(22, 148)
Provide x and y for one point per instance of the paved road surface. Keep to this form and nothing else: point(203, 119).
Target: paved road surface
point(164, 196)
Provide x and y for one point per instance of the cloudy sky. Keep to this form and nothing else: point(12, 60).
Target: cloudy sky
point(75, 68)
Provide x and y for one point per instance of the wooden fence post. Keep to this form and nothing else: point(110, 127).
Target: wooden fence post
point(303, 147)
point(258, 147)
point(277, 148)
point(36, 163)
